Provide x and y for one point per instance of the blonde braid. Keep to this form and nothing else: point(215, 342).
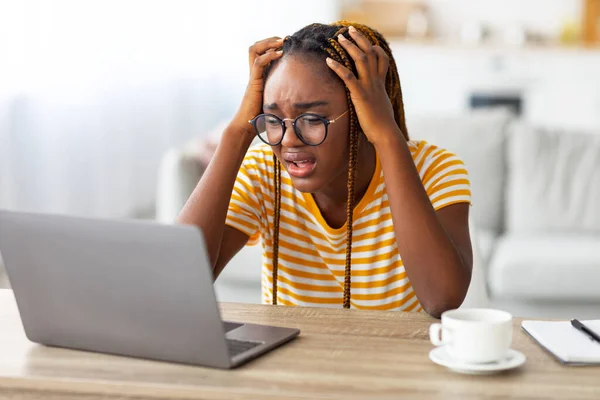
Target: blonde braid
point(340, 55)
point(276, 218)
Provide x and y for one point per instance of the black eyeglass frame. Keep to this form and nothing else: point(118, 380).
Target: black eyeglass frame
point(324, 120)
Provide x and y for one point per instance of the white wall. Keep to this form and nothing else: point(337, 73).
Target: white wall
point(560, 87)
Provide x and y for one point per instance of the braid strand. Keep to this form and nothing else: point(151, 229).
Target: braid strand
point(339, 54)
point(276, 218)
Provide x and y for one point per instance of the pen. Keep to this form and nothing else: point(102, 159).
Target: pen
point(587, 331)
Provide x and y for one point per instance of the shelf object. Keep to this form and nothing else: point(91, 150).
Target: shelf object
point(393, 18)
point(591, 22)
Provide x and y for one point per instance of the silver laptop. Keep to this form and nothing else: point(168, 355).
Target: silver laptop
point(131, 288)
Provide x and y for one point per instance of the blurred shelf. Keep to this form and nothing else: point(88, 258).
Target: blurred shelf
point(452, 45)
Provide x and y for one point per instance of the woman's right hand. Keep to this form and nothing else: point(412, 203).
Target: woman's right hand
point(260, 55)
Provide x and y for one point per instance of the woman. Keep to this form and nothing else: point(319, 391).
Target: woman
point(349, 211)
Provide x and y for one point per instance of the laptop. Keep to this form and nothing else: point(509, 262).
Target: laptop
point(132, 288)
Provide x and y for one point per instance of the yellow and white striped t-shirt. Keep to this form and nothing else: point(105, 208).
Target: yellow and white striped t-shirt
point(312, 254)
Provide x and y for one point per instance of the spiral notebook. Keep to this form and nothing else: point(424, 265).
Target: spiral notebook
point(564, 342)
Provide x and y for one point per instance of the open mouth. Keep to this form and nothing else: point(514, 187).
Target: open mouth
point(299, 165)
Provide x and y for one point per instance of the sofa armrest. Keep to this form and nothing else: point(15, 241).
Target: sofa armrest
point(3, 276)
point(477, 294)
point(179, 173)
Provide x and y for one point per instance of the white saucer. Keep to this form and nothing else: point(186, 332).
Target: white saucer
point(514, 359)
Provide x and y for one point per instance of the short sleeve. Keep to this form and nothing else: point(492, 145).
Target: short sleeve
point(445, 178)
point(244, 206)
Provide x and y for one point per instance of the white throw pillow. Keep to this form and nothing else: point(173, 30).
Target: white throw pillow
point(553, 181)
point(478, 138)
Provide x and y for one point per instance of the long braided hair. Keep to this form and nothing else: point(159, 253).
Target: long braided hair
point(320, 40)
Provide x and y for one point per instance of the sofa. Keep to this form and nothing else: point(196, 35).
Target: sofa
point(536, 207)
point(535, 215)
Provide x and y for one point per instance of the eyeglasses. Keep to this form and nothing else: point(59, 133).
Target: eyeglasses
point(311, 129)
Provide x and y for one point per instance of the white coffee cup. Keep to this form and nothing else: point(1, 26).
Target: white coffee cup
point(476, 335)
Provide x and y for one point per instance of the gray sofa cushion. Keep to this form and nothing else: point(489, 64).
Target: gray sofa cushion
point(478, 138)
point(553, 181)
point(546, 267)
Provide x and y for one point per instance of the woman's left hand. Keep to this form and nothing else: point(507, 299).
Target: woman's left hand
point(371, 101)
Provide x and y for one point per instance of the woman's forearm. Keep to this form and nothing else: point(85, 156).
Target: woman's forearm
point(207, 206)
point(432, 261)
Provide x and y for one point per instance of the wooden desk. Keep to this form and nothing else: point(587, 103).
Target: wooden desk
point(340, 353)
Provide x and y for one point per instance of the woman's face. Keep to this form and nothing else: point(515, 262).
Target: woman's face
point(304, 84)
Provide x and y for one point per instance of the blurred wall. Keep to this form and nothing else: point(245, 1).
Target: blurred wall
point(92, 93)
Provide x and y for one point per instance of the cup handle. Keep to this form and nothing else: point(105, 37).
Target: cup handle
point(434, 335)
